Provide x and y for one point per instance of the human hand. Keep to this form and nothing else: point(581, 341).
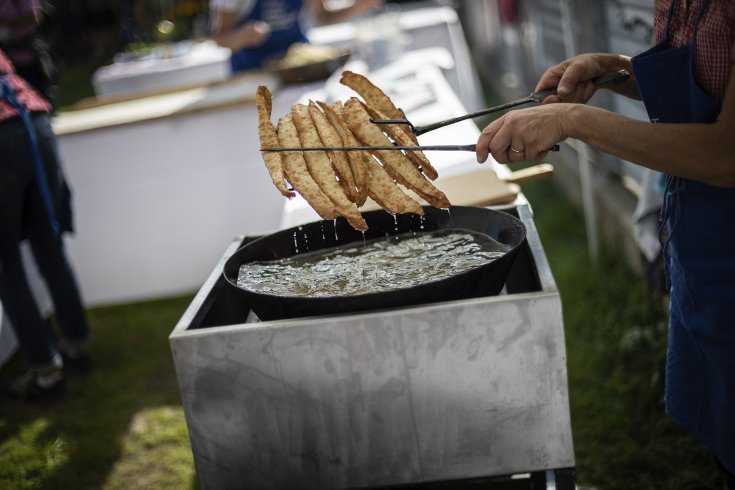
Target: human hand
point(572, 79)
point(524, 135)
point(361, 6)
point(254, 33)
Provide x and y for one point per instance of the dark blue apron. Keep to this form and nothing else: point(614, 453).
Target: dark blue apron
point(283, 17)
point(8, 94)
point(699, 221)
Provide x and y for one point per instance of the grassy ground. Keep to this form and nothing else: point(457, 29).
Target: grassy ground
point(75, 85)
point(121, 426)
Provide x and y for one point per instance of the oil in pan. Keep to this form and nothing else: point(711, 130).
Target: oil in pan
point(399, 261)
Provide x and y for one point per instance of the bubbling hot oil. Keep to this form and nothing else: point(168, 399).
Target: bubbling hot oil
point(400, 261)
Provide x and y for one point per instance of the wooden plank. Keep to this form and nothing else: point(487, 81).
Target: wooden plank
point(480, 187)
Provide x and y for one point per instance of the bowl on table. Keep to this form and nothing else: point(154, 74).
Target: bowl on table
point(308, 63)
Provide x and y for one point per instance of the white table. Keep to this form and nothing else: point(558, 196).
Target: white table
point(184, 64)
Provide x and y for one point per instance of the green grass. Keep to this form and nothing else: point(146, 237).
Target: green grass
point(120, 427)
point(75, 85)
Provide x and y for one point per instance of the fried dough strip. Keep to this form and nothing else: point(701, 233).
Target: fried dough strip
point(298, 174)
point(401, 136)
point(321, 170)
point(384, 191)
point(375, 97)
point(340, 161)
point(269, 139)
point(395, 163)
point(357, 162)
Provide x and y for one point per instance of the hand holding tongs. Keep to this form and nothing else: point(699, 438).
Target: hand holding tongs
point(617, 77)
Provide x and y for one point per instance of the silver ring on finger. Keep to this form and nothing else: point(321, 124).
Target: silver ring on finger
point(517, 151)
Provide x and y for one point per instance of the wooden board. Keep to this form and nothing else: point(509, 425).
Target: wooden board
point(480, 187)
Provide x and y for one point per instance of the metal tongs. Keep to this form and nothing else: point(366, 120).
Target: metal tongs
point(538, 97)
point(617, 77)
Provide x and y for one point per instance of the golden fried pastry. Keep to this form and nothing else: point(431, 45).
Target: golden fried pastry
point(401, 136)
point(395, 163)
point(375, 98)
point(298, 174)
point(384, 191)
point(269, 139)
point(336, 182)
point(357, 162)
point(339, 159)
point(321, 169)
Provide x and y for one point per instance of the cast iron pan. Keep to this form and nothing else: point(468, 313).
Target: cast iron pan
point(485, 280)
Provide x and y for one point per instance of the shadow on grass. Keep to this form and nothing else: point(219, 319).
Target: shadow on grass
point(127, 407)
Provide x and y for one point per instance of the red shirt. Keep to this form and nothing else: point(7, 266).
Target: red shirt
point(714, 51)
point(26, 95)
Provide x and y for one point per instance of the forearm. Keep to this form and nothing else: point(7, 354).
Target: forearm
point(702, 152)
point(326, 15)
point(329, 16)
point(231, 39)
point(249, 35)
point(227, 33)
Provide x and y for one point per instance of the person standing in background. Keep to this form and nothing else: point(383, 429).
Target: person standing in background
point(28, 50)
point(256, 30)
point(34, 204)
point(687, 84)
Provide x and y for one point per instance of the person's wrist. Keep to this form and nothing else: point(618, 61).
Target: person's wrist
point(614, 62)
point(247, 37)
point(573, 120)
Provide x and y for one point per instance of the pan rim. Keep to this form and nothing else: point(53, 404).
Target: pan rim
point(230, 271)
point(370, 295)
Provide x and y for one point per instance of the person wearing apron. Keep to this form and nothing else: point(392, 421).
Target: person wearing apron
point(259, 30)
point(34, 205)
point(690, 139)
